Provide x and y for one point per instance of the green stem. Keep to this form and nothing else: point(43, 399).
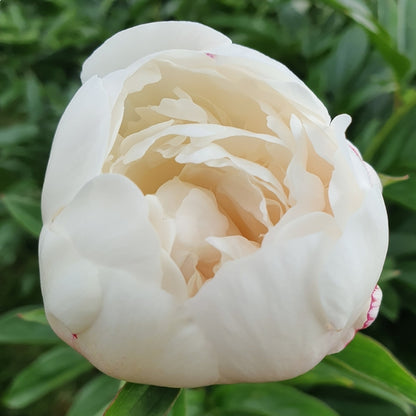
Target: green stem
point(386, 130)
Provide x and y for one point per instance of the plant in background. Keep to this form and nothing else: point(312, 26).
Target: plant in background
point(357, 57)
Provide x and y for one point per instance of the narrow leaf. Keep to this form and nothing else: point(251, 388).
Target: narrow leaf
point(34, 315)
point(140, 399)
point(94, 397)
point(25, 210)
point(368, 356)
point(179, 408)
point(387, 180)
point(14, 329)
point(402, 243)
point(16, 134)
point(403, 192)
point(50, 371)
point(367, 366)
point(358, 11)
point(267, 400)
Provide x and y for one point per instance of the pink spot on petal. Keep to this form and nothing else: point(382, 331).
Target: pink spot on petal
point(372, 175)
point(211, 55)
point(375, 303)
point(74, 336)
point(355, 150)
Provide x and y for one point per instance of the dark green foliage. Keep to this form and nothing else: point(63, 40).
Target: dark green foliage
point(358, 56)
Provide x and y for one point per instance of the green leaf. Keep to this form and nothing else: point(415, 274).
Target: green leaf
point(389, 271)
point(16, 134)
point(355, 403)
point(402, 243)
point(387, 180)
point(191, 402)
point(35, 315)
point(25, 210)
point(94, 397)
point(33, 97)
point(179, 408)
point(10, 238)
point(407, 274)
point(387, 16)
point(398, 17)
point(347, 59)
point(47, 373)
point(367, 366)
point(409, 17)
point(390, 307)
point(361, 14)
point(140, 399)
point(400, 125)
point(403, 193)
point(267, 399)
point(14, 329)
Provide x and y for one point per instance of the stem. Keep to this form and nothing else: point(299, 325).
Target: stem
point(391, 123)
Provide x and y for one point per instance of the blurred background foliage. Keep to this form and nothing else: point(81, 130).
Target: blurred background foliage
point(358, 56)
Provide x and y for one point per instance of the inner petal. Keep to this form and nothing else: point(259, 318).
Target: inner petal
point(221, 158)
point(197, 217)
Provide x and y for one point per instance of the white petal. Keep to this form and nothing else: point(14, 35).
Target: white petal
point(305, 188)
point(79, 147)
point(278, 77)
point(134, 43)
point(299, 222)
point(100, 265)
point(198, 217)
point(355, 262)
point(365, 173)
point(216, 156)
point(71, 289)
point(165, 226)
point(233, 246)
point(181, 109)
point(173, 281)
point(108, 224)
point(266, 305)
point(143, 335)
point(137, 144)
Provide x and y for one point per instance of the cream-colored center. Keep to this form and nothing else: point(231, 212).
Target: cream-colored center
point(213, 150)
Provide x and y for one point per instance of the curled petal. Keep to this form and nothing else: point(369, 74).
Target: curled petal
point(82, 135)
point(123, 48)
point(349, 277)
point(260, 301)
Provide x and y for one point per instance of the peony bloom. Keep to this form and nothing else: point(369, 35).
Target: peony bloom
point(204, 219)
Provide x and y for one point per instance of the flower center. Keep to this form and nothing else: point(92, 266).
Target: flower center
point(214, 156)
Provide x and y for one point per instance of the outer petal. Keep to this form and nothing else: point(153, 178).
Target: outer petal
point(105, 226)
point(101, 269)
point(72, 292)
point(132, 44)
point(278, 76)
point(265, 304)
point(108, 222)
point(79, 147)
point(355, 262)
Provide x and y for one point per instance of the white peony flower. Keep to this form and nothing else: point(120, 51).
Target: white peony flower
point(204, 219)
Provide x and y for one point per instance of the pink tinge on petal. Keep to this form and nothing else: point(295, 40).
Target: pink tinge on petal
point(74, 336)
point(211, 55)
point(374, 307)
point(355, 150)
point(372, 174)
